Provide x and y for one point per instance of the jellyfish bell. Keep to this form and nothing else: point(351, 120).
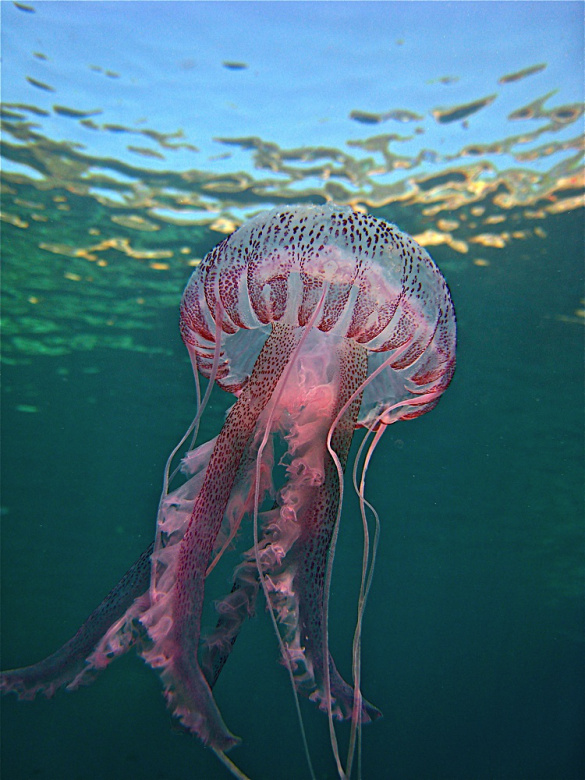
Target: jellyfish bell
point(320, 321)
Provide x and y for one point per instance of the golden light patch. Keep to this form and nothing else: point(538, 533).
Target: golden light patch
point(459, 246)
point(223, 225)
point(134, 222)
point(59, 249)
point(567, 204)
point(13, 220)
point(430, 238)
point(489, 239)
point(434, 238)
point(447, 224)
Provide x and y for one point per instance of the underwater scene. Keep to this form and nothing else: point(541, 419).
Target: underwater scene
point(138, 136)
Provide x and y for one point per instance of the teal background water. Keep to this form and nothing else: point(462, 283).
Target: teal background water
point(473, 640)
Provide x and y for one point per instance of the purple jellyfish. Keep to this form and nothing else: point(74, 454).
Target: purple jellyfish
point(319, 320)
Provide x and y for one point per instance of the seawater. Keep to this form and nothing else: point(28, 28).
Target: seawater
point(473, 638)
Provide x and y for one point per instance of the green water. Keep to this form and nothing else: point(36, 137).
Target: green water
point(473, 637)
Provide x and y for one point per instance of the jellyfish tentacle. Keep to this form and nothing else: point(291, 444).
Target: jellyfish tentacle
point(233, 610)
point(368, 566)
point(318, 530)
point(240, 604)
point(69, 665)
point(176, 630)
point(318, 522)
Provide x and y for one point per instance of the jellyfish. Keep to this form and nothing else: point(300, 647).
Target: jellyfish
point(319, 320)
